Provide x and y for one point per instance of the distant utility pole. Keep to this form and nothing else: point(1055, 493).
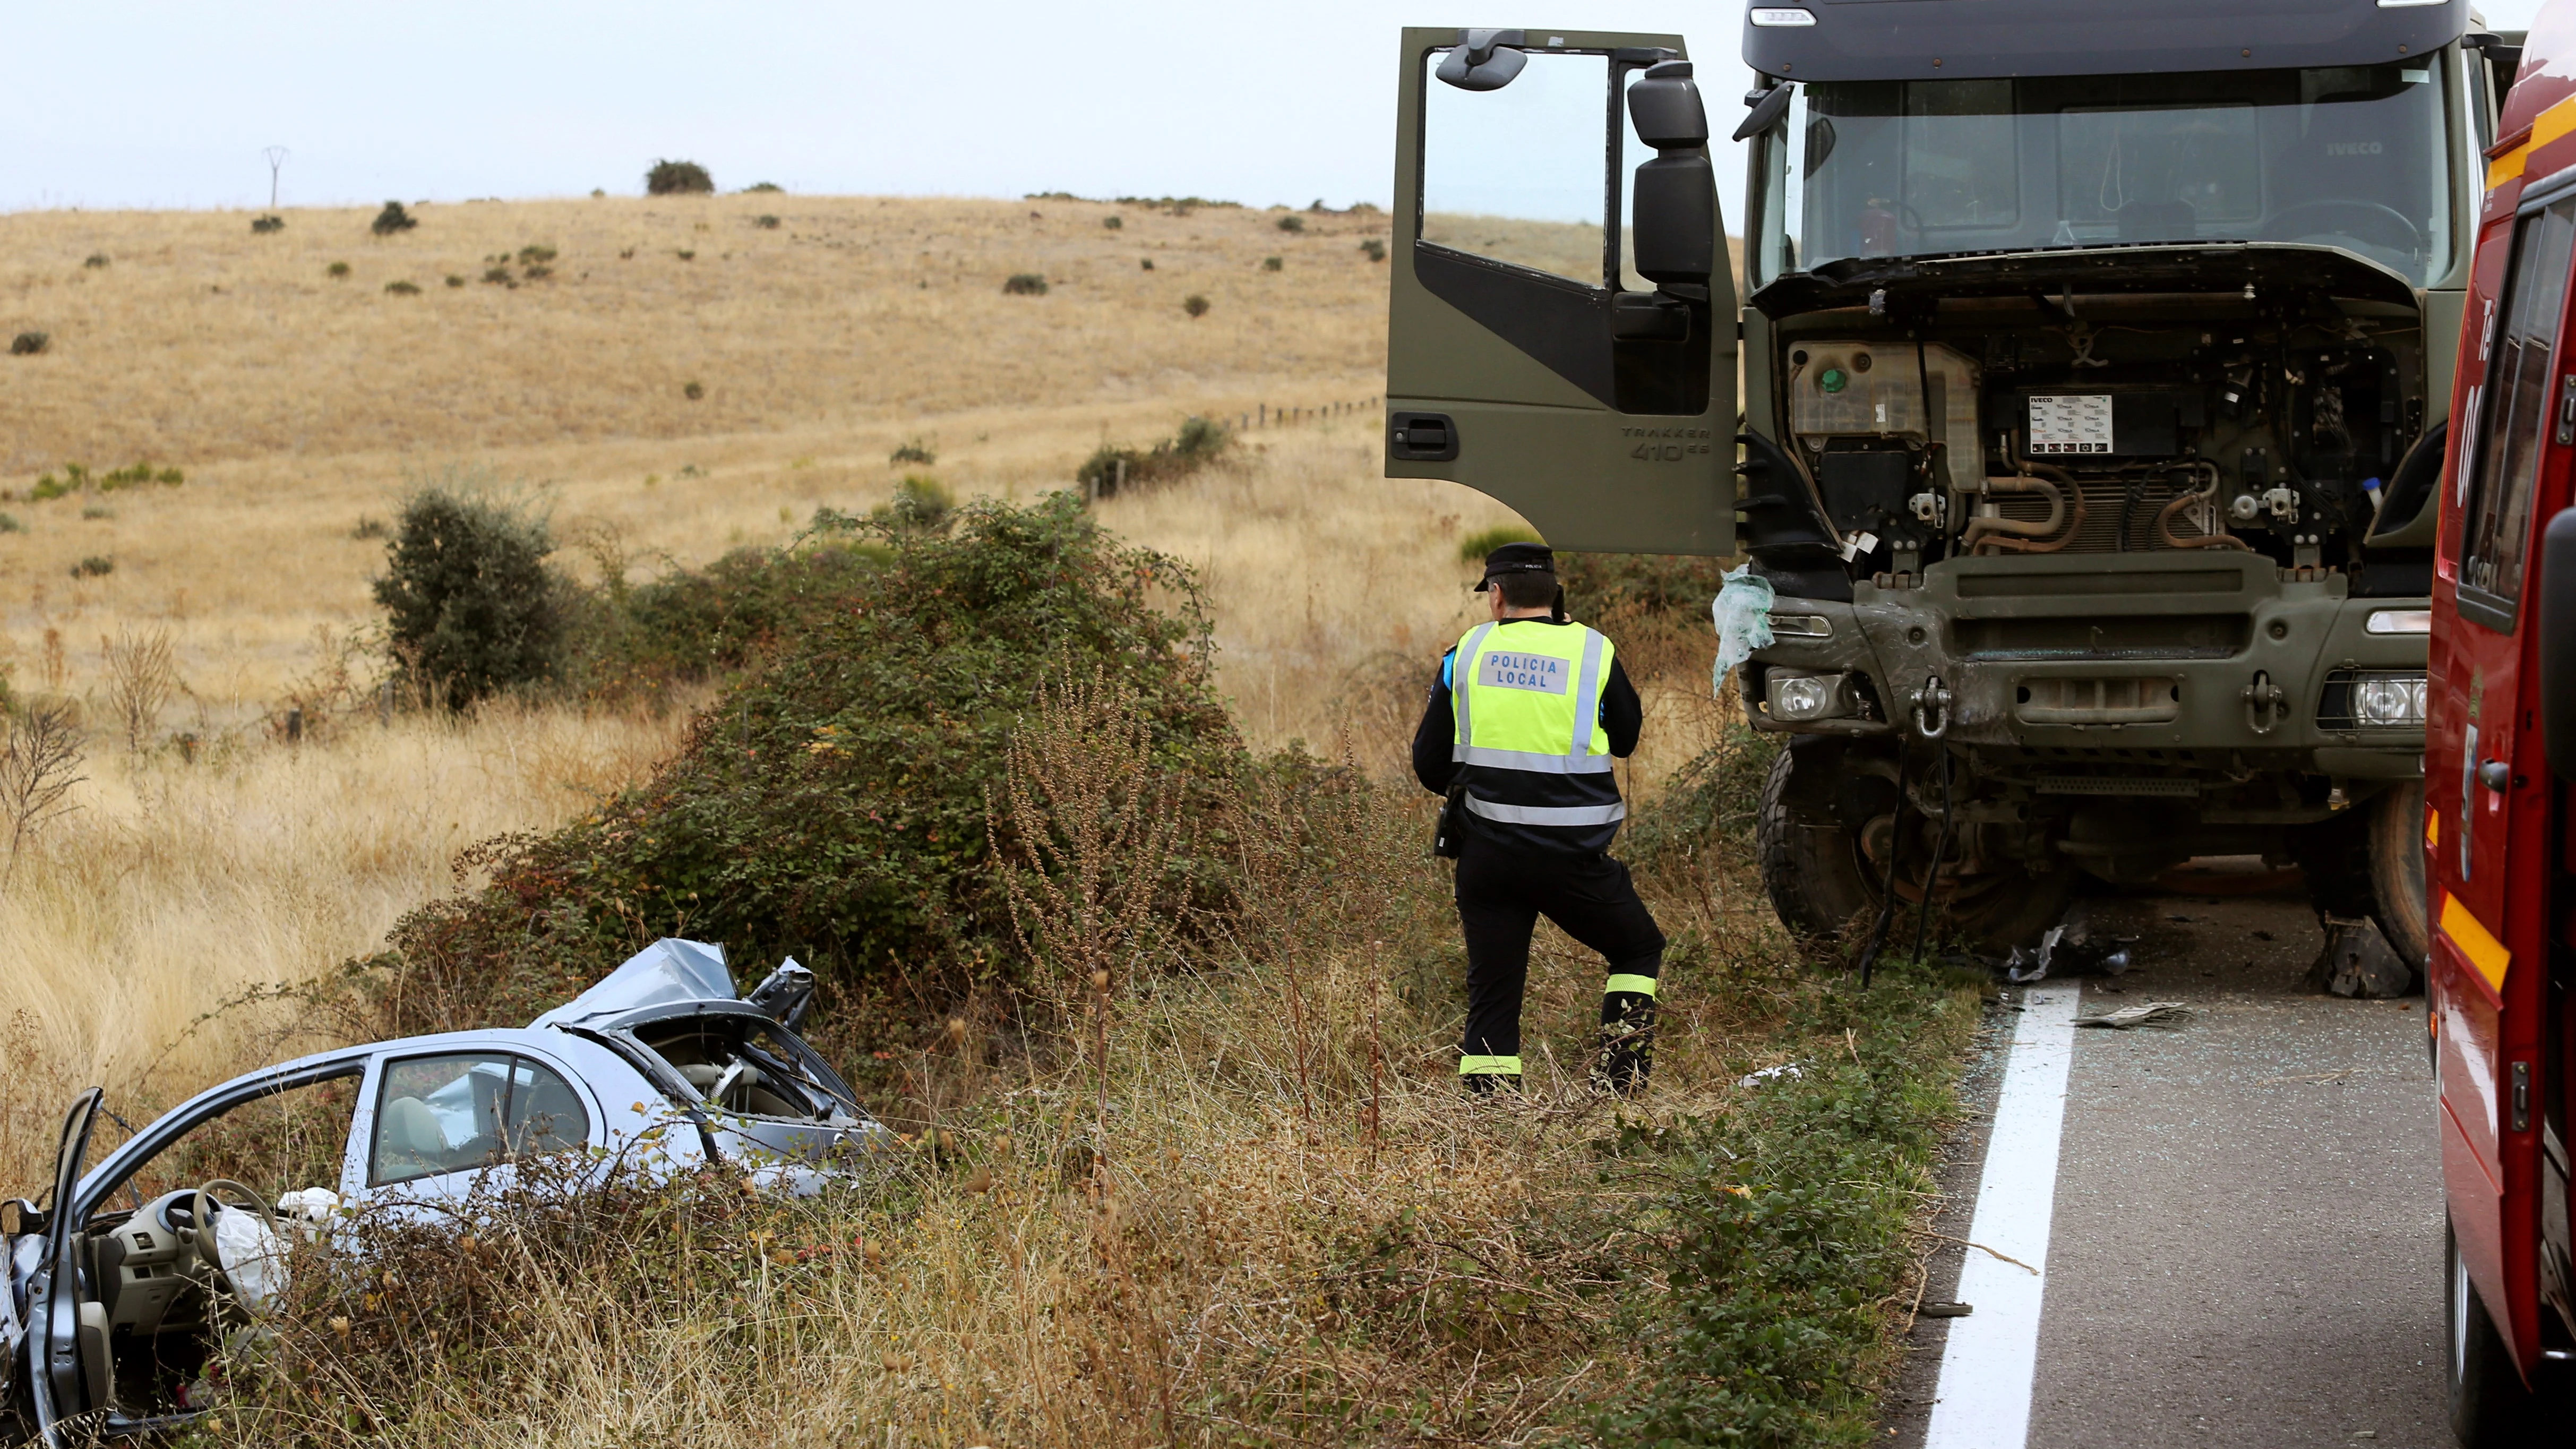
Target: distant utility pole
point(276, 158)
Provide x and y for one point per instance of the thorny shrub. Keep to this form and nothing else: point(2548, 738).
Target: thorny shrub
point(831, 803)
point(1200, 442)
point(472, 606)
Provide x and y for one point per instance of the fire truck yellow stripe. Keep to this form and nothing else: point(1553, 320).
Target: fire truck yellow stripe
point(2548, 126)
point(2475, 941)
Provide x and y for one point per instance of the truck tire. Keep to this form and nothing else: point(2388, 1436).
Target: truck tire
point(2397, 875)
point(1823, 886)
point(2489, 1407)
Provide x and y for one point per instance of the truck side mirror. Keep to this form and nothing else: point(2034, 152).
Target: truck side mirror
point(1485, 60)
point(2557, 619)
point(1675, 225)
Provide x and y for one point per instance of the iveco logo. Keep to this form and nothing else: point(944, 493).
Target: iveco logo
point(2352, 148)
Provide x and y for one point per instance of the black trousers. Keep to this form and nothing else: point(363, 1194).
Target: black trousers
point(1501, 894)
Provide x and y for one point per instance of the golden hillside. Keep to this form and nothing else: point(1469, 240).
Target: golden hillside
point(199, 342)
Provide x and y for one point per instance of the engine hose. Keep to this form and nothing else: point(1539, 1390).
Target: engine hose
point(2209, 493)
point(2074, 525)
point(1981, 529)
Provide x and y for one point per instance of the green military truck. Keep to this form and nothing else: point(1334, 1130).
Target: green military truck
point(2094, 359)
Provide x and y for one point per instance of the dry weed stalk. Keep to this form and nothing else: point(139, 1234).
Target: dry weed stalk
point(38, 767)
point(1088, 820)
point(142, 674)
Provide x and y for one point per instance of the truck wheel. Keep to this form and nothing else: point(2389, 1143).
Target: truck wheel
point(2397, 874)
point(1823, 884)
point(1810, 866)
point(2490, 1408)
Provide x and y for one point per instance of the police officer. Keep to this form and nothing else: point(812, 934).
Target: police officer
point(1527, 713)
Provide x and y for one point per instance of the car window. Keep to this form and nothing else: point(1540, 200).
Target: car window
point(464, 1110)
point(278, 1143)
point(2514, 400)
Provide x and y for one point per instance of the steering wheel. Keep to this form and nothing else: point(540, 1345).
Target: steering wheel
point(202, 1205)
point(2355, 218)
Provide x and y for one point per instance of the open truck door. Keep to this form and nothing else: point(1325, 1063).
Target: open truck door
point(1561, 328)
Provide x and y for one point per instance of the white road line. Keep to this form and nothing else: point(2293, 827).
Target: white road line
point(1983, 1401)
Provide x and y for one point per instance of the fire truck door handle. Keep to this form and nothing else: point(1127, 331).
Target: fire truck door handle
point(2495, 775)
point(2567, 409)
point(2522, 1096)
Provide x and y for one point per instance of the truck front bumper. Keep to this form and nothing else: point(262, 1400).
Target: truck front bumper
point(2159, 660)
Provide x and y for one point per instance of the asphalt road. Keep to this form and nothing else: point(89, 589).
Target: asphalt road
point(2245, 1241)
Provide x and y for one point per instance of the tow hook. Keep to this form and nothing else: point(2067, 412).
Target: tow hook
point(2266, 703)
point(1932, 708)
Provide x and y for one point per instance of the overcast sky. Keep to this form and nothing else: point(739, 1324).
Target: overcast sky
point(168, 104)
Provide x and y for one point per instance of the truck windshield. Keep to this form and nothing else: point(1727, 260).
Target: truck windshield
point(2351, 157)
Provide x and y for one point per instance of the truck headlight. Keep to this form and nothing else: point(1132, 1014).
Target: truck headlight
point(2388, 701)
point(1801, 697)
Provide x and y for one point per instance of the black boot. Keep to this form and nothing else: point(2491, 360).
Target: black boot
point(1627, 1047)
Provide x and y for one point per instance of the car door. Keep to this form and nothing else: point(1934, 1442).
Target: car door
point(57, 1386)
point(445, 1125)
point(2486, 823)
point(1561, 324)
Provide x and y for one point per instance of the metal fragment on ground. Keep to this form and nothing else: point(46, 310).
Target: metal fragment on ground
point(2150, 1013)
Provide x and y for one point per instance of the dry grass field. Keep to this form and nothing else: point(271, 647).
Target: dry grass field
point(300, 405)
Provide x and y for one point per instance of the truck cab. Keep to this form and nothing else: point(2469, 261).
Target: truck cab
point(2501, 747)
point(2094, 370)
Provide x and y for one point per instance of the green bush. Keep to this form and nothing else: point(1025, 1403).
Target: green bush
point(1113, 221)
point(833, 803)
point(765, 222)
point(96, 566)
point(533, 254)
point(96, 261)
point(28, 344)
point(336, 270)
point(9, 524)
point(500, 276)
point(472, 607)
point(678, 178)
point(912, 450)
point(920, 505)
point(454, 280)
point(1199, 443)
point(1604, 585)
point(1272, 264)
point(403, 289)
point(1375, 248)
point(759, 186)
point(1025, 284)
point(77, 478)
point(265, 225)
point(392, 219)
point(1474, 547)
point(1194, 304)
point(1292, 223)
point(693, 390)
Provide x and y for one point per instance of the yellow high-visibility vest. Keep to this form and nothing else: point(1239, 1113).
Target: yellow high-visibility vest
point(1526, 695)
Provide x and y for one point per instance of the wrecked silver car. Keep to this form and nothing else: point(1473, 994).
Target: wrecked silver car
point(125, 1275)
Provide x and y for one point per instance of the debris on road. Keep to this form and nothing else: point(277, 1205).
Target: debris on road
point(1789, 1070)
point(2309, 1077)
point(1945, 1310)
point(2358, 962)
point(2076, 946)
point(2151, 1013)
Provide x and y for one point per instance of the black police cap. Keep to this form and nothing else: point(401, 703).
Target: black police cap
point(1517, 558)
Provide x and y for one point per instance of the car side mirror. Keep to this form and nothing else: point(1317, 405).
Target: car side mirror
point(1485, 60)
point(1674, 228)
point(2557, 620)
point(19, 1217)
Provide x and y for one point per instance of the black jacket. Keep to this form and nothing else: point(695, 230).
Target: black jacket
point(1623, 716)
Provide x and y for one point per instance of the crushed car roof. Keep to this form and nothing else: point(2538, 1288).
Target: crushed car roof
point(667, 973)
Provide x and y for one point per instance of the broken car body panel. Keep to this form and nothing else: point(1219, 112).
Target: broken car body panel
point(659, 1068)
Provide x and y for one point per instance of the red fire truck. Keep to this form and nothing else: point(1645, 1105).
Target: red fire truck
point(2500, 747)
